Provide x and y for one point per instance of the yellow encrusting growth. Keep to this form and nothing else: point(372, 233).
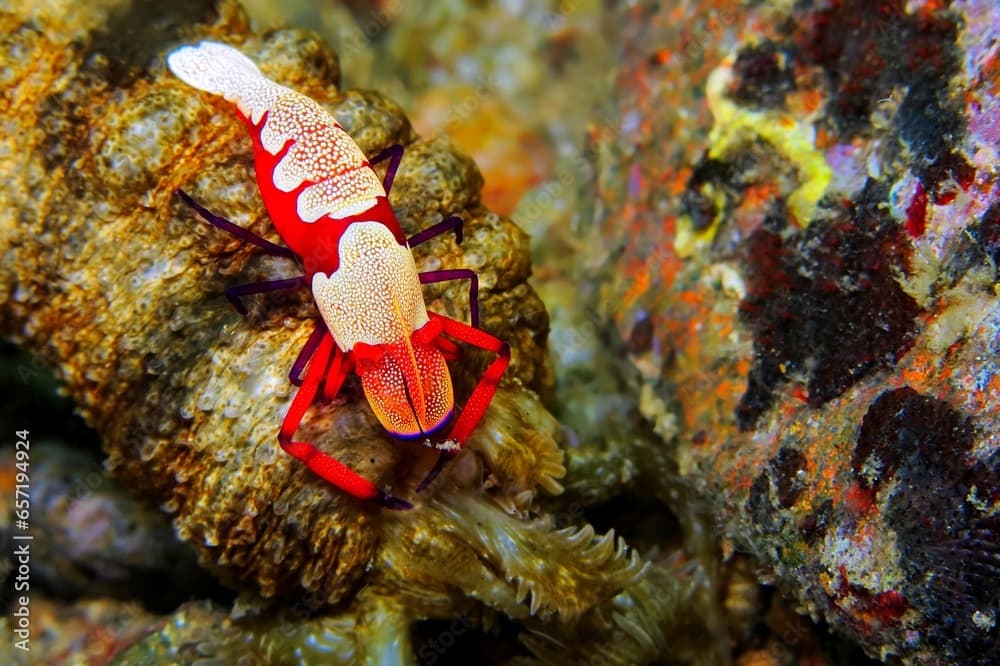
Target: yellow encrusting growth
point(736, 126)
point(322, 153)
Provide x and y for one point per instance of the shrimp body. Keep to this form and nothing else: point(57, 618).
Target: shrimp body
point(332, 211)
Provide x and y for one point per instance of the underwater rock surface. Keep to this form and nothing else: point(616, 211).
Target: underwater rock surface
point(99, 541)
point(112, 280)
point(802, 208)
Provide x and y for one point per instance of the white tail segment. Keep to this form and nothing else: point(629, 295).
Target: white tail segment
point(222, 70)
point(320, 152)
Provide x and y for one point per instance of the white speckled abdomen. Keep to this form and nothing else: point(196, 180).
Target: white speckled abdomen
point(318, 150)
point(374, 296)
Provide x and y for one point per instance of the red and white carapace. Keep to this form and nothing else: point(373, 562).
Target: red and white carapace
point(332, 211)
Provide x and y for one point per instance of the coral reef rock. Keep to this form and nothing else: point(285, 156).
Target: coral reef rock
point(801, 201)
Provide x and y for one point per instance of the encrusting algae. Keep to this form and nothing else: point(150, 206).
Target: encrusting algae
point(116, 283)
point(804, 218)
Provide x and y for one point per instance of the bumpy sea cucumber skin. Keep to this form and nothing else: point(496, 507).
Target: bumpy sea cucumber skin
point(112, 280)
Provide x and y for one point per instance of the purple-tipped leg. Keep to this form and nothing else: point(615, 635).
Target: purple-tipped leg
point(395, 155)
point(453, 223)
point(443, 460)
point(235, 293)
point(295, 374)
point(389, 502)
point(458, 274)
point(235, 229)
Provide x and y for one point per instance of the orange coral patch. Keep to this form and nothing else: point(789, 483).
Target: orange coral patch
point(639, 275)
point(677, 182)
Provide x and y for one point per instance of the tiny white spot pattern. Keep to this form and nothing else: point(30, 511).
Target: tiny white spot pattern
point(374, 296)
point(321, 153)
